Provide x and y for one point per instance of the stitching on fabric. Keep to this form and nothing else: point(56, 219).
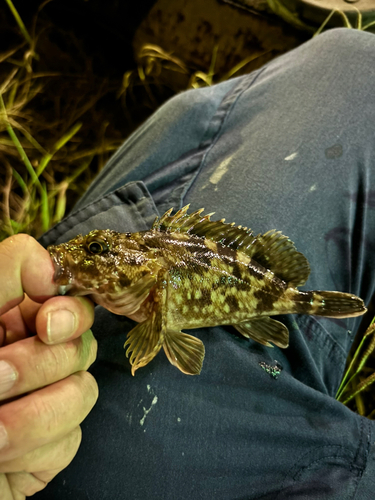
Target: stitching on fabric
point(353, 465)
point(290, 475)
point(325, 342)
point(325, 337)
point(71, 217)
point(361, 470)
point(317, 461)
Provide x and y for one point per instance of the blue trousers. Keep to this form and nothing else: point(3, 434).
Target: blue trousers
point(288, 147)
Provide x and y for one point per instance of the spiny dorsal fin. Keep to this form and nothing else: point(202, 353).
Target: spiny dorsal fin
point(180, 222)
point(271, 250)
point(195, 223)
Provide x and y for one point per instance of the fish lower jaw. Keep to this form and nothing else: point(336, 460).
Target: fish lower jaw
point(64, 289)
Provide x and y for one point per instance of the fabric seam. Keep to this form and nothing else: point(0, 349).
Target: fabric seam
point(69, 221)
point(215, 138)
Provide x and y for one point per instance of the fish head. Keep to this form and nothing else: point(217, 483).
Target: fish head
point(103, 261)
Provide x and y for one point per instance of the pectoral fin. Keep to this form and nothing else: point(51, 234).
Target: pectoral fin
point(264, 331)
point(184, 351)
point(146, 339)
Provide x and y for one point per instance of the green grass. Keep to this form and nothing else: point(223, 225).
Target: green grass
point(48, 152)
point(48, 159)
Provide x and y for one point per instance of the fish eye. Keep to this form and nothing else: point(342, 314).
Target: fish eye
point(97, 247)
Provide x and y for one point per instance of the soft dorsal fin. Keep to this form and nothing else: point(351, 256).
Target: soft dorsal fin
point(277, 252)
point(272, 250)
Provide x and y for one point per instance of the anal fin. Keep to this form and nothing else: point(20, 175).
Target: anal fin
point(184, 351)
point(264, 331)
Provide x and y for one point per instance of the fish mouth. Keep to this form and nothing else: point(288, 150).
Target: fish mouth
point(64, 289)
point(61, 276)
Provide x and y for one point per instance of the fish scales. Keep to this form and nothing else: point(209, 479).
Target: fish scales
point(190, 272)
point(225, 291)
point(214, 284)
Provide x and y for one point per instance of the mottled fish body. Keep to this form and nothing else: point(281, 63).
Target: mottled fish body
point(189, 272)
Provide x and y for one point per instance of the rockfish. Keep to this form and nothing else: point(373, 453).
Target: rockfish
point(190, 272)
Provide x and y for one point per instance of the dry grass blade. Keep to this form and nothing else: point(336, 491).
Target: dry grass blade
point(346, 21)
point(324, 24)
point(293, 18)
point(39, 148)
point(19, 21)
point(360, 387)
point(16, 142)
point(288, 16)
point(369, 25)
point(242, 64)
point(349, 388)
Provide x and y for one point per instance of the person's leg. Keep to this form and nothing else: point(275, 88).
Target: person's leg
point(296, 153)
point(287, 147)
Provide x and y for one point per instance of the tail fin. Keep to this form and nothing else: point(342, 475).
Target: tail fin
point(337, 305)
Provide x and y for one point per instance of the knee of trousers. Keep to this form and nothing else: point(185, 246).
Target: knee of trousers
point(347, 48)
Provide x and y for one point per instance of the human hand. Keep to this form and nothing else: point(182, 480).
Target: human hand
point(45, 390)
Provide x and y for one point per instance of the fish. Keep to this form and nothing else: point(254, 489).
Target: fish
point(188, 272)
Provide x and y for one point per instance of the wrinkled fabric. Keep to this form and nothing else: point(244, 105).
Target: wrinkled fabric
point(290, 147)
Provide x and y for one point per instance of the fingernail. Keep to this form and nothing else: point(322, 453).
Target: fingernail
point(3, 436)
point(8, 376)
point(61, 325)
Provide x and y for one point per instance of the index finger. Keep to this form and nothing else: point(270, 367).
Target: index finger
point(25, 266)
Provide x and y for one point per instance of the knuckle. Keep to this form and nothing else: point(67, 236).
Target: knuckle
point(24, 484)
point(49, 364)
point(24, 239)
point(52, 365)
point(47, 412)
point(72, 443)
point(67, 448)
point(89, 388)
point(88, 349)
point(44, 411)
point(21, 239)
point(93, 350)
point(31, 417)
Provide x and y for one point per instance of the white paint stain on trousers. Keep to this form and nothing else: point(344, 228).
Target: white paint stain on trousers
point(219, 172)
point(291, 157)
point(146, 412)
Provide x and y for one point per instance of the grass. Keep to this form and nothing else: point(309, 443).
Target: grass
point(293, 18)
point(48, 153)
point(356, 385)
point(50, 145)
point(54, 142)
